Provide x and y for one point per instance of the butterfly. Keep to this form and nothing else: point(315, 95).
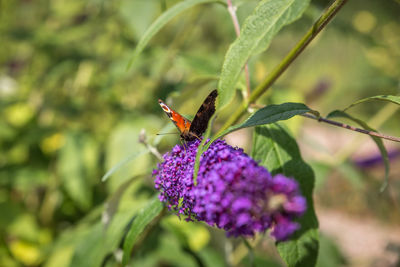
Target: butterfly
point(191, 130)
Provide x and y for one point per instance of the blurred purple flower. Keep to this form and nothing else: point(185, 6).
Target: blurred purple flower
point(233, 192)
point(375, 159)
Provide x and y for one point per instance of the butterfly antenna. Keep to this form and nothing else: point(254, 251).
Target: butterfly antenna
point(166, 133)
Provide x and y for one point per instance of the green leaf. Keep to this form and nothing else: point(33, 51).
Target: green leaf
point(111, 206)
point(268, 17)
point(330, 254)
point(122, 146)
point(138, 14)
point(96, 242)
point(121, 164)
point(196, 236)
point(293, 13)
point(145, 217)
point(89, 241)
point(378, 141)
point(71, 169)
point(270, 114)
point(390, 98)
point(161, 21)
point(277, 150)
point(89, 250)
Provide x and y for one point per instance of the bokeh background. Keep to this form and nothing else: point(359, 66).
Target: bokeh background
point(70, 110)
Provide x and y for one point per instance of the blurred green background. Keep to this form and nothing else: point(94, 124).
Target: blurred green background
point(70, 110)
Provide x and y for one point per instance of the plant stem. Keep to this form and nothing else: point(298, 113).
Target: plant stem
point(152, 149)
point(232, 12)
point(377, 120)
point(285, 63)
point(346, 126)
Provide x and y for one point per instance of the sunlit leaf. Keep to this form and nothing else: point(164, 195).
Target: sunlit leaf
point(294, 12)
point(25, 252)
point(277, 150)
point(19, 114)
point(60, 257)
point(266, 20)
point(194, 235)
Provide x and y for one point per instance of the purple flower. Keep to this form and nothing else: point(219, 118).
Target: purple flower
point(233, 192)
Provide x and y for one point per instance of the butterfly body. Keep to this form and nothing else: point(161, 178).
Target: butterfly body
point(190, 131)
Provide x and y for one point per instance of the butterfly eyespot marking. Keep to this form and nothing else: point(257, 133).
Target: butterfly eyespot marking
point(164, 107)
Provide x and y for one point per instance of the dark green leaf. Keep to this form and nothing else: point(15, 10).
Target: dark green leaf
point(390, 98)
point(378, 141)
point(145, 217)
point(270, 114)
point(161, 21)
point(276, 149)
point(268, 17)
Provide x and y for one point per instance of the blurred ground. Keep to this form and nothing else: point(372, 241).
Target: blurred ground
point(363, 241)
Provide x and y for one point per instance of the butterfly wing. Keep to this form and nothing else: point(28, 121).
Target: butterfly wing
point(203, 115)
point(180, 122)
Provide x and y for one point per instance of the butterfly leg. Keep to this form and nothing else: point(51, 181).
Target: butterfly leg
point(183, 144)
point(195, 135)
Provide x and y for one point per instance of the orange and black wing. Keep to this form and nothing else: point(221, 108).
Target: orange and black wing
point(203, 115)
point(180, 122)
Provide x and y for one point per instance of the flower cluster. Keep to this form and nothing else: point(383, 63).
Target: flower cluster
point(233, 192)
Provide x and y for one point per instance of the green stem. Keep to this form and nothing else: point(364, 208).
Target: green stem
point(285, 63)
